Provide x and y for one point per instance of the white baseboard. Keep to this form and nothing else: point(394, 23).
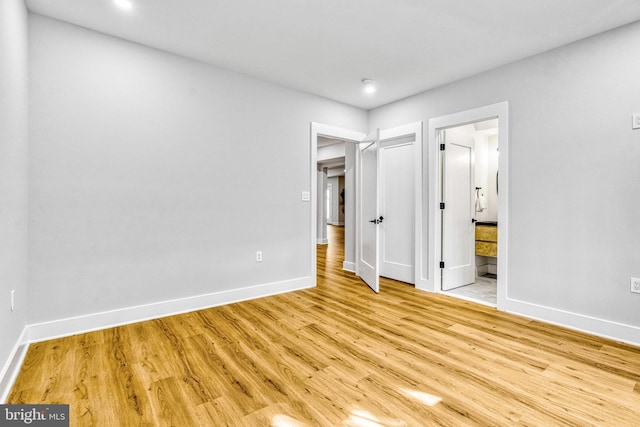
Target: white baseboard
point(579, 322)
point(324, 241)
point(349, 266)
point(11, 369)
point(92, 322)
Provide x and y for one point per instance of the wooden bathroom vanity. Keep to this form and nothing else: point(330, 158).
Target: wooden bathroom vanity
point(487, 238)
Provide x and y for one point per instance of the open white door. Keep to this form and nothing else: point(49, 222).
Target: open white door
point(458, 229)
point(368, 211)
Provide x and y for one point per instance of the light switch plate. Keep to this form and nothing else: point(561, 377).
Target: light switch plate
point(306, 196)
point(635, 124)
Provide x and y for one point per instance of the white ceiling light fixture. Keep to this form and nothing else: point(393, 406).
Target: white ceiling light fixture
point(369, 87)
point(123, 4)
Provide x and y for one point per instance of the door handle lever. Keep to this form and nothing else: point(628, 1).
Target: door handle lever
point(377, 220)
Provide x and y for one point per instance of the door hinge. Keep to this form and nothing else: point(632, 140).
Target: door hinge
point(441, 264)
point(441, 147)
point(441, 205)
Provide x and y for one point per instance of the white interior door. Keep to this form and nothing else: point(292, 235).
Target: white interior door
point(458, 230)
point(397, 205)
point(369, 218)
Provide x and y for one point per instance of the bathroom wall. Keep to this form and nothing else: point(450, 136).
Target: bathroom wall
point(486, 166)
point(486, 169)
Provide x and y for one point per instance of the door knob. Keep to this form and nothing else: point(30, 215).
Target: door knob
point(377, 221)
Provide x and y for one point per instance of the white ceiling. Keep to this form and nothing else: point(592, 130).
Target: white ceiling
point(326, 47)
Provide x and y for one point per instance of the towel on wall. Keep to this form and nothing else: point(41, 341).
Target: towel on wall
point(481, 204)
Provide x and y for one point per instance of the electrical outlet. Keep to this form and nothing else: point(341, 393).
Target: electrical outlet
point(13, 300)
point(635, 285)
point(259, 256)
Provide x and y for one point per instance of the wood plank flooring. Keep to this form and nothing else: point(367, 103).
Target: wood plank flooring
point(337, 355)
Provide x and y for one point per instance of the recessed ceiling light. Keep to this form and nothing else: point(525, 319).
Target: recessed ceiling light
point(369, 87)
point(123, 4)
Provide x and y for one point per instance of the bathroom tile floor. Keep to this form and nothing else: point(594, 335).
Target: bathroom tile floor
point(483, 290)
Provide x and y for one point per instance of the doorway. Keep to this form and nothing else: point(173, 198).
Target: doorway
point(469, 214)
point(352, 233)
point(436, 245)
point(331, 171)
point(389, 204)
point(318, 219)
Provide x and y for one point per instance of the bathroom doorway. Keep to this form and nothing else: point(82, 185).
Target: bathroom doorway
point(432, 278)
point(469, 211)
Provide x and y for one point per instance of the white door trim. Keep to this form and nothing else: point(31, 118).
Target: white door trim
point(432, 176)
point(319, 129)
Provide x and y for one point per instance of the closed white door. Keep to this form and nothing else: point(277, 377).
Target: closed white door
point(369, 218)
point(458, 230)
point(397, 205)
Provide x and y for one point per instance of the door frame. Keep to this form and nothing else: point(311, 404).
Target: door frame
point(432, 201)
point(319, 129)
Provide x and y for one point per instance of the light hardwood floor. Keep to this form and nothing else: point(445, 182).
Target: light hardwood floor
point(337, 355)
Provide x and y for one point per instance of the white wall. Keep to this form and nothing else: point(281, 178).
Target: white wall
point(321, 205)
point(350, 208)
point(486, 169)
point(332, 188)
point(340, 199)
point(14, 139)
point(154, 177)
point(336, 213)
point(491, 193)
point(574, 194)
point(331, 152)
point(481, 169)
